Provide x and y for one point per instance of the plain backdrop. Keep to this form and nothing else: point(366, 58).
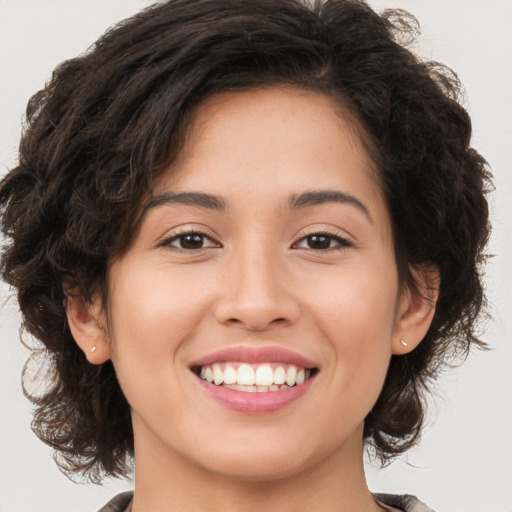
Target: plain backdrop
point(463, 463)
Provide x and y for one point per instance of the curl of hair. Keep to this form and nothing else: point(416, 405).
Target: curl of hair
point(109, 121)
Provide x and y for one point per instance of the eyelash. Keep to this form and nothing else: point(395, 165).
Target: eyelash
point(167, 242)
point(342, 243)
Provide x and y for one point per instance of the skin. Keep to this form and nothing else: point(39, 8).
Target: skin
point(256, 279)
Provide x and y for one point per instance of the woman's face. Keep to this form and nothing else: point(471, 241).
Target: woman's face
point(265, 252)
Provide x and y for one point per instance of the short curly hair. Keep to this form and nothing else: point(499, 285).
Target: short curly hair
point(109, 121)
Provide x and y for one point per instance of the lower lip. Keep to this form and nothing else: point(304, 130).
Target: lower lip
point(255, 403)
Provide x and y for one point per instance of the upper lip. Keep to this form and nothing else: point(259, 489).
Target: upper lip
point(251, 355)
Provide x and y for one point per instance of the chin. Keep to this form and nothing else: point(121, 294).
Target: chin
point(260, 462)
point(256, 470)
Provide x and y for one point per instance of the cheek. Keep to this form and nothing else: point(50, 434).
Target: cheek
point(356, 305)
point(152, 313)
point(354, 311)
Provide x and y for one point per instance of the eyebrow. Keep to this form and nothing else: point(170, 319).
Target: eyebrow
point(199, 199)
point(317, 197)
point(295, 201)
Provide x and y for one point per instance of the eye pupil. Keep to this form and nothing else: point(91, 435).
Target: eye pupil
point(319, 241)
point(192, 241)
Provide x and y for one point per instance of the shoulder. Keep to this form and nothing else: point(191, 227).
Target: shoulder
point(119, 503)
point(405, 502)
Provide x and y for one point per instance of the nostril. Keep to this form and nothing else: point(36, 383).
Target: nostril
point(254, 324)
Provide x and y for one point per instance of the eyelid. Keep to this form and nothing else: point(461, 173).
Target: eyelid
point(344, 241)
point(189, 229)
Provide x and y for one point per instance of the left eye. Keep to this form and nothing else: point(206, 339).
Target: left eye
point(190, 241)
point(322, 242)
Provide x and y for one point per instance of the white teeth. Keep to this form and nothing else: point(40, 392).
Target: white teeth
point(279, 375)
point(254, 378)
point(247, 389)
point(245, 375)
point(264, 375)
point(255, 389)
point(229, 375)
point(218, 375)
point(291, 376)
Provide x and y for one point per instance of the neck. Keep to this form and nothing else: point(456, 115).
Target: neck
point(166, 481)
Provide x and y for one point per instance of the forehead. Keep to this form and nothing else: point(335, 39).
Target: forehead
point(269, 129)
point(267, 146)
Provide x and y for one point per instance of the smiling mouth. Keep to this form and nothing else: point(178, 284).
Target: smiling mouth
point(254, 378)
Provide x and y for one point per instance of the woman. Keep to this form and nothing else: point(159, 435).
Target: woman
point(248, 235)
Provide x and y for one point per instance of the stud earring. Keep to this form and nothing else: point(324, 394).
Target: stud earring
point(100, 326)
point(93, 349)
point(404, 343)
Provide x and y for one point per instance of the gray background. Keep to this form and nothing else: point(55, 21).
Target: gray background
point(464, 460)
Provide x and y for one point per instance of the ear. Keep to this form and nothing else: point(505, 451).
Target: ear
point(87, 324)
point(416, 309)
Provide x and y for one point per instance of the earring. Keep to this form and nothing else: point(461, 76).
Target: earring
point(93, 349)
point(100, 326)
point(404, 343)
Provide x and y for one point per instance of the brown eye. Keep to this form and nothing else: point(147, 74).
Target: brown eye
point(318, 241)
point(192, 241)
point(322, 242)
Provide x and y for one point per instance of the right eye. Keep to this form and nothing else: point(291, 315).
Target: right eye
point(323, 242)
point(189, 241)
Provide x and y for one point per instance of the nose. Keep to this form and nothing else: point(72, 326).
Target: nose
point(255, 292)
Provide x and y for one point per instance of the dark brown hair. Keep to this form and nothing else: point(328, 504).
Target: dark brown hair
point(109, 121)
